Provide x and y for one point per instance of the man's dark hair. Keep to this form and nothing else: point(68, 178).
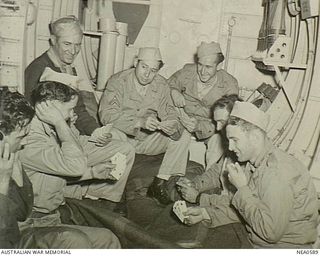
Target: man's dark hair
point(226, 102)
point(51, 90)
point(15, 111)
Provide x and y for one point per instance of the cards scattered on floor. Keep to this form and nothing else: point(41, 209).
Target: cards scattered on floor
point(120, 161)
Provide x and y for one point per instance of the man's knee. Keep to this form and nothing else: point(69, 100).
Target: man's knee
point(64, 238)
point(105, 239)
point(127, 149)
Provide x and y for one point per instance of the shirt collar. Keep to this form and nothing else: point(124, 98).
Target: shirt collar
point(264, 154)
point(212, 81)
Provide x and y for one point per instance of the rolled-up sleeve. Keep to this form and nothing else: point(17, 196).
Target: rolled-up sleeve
point(43, 156)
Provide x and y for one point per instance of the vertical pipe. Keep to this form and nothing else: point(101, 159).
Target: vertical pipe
point(107, 51)
point(121, 44)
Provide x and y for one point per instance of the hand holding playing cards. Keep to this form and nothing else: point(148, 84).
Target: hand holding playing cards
point(101, 136)
point(180, 208)
point(189, 193)
point(190, 123)
point(102, 171)
point(185, 181)
point(169, 127)
point(236, 175)
point(194, 215)
point(151, 124)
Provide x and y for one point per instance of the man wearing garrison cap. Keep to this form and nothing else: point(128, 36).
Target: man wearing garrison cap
point(194, 90)
point(274, 194)
point(138, 103)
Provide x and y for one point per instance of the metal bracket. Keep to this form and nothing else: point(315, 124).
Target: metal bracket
point(283, 86)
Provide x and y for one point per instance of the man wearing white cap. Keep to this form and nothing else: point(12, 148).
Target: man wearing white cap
point(194, 90)
point(274, 194)
point(66, 37)
point(138, 103)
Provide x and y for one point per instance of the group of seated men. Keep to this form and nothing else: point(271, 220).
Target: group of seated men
point(47, 143)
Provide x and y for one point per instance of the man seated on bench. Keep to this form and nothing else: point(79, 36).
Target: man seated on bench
point(16, 194)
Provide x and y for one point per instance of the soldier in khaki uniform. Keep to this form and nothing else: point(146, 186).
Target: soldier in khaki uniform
point(213, 187)
point(138, 103)
point(194, 90)
point(275, 195)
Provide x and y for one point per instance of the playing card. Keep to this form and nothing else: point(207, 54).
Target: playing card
point(119, 160)
point(99, 132)
point(179, 208)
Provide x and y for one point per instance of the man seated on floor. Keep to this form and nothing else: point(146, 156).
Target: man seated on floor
point(275, 195)
point(194, 90)
point(138, 103)
point(213, 187)
point(16, 194)
point(55, 154)
point(65, 44)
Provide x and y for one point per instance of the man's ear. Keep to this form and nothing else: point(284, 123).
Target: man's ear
point(135, 62)
point(255, 135)
point(53, 39)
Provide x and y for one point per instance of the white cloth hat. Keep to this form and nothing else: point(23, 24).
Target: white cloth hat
point(51, 75)
point(250, 113)
point(149, 53)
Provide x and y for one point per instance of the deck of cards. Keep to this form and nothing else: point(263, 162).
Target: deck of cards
point(120, 161)
point(179, 208)
point(99, 132)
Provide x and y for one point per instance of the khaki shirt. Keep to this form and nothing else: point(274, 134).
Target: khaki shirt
point(186, 82)
point(48, 162)
point(122, 105)
point(279, 204)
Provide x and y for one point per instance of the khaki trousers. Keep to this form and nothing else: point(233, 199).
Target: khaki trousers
point(176, 152)
point(96, 155)
point(48, 233)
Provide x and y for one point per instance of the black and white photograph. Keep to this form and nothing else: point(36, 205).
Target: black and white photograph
point(159, 124)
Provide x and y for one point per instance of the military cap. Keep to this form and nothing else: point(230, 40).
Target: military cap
point(250, 113)
point(208, 49)
point(63, 78)
point(149, 53)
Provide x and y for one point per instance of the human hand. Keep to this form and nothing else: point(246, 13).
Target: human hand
point(190, 123)
point(185, 181)
point(178, 99)
point(189, 193)
point(169, 127)
point(193, 216)
point(102, 171)
point(6, 160)
point(48, 112)
point(100, 139)
point(236, 175)
point(151, 124)
point(74, 118)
